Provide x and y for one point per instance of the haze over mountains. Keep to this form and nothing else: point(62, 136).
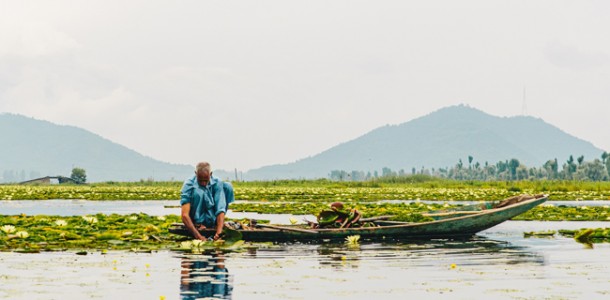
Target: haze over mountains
point(32, 148)
point(440, 139)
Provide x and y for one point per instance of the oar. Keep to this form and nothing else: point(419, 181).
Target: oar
point(451, 213)
point(378, 218)
point(287, 228)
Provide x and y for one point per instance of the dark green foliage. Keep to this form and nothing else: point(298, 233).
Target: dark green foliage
point(514, 189)
point(79, 175)
point(503, 170)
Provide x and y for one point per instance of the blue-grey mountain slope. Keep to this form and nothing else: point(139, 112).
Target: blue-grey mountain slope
point(30, 148)
point(440, 139)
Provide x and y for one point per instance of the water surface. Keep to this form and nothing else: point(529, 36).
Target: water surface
point(164, 207)
point(498, 263)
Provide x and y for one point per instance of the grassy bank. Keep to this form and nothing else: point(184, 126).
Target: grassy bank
point(416, 187)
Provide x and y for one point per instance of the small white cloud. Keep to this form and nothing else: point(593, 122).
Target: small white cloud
point(34, 39)
point(573, 58)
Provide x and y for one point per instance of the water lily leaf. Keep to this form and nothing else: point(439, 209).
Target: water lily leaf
point(231, 235)
point(327, 217)
point(236, 245)
point(583, 236)
point(27, 250)
point(108, 236)
point(70, 236)
point(549, 233)
point(115, 242)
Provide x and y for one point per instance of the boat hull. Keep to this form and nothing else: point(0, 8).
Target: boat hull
point(459, 226)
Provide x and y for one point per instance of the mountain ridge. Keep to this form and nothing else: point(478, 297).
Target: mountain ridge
point(459, 131)
point(43, 148)
point(435, 140)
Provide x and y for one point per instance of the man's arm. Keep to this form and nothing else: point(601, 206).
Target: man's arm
point(220, 207)
point(186, 219)
point(220, 222)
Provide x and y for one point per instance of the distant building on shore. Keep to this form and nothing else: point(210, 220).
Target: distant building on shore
point(49, 180)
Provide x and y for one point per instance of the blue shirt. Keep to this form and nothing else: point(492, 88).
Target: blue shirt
point(206, 201)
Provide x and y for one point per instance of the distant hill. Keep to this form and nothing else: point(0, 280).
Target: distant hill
point(33, 148)
point(439, 139)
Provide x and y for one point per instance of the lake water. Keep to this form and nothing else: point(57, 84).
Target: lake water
point(498, 263)
point(122, 207)
point(166, 207)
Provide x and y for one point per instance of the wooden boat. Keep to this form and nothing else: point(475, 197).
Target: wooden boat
point(461, 222)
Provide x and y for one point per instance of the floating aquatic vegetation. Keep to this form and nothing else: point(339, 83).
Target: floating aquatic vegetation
point(61, 223)
point(112, 232)
point(22, 234)
point(150, 228)
point(108, 235)
point(352, 240)
point(186, 245)
point(197, 246)
point(588, 235)
point(320, 190)
point(547, 234)
point(90, 220)
point(583, 236)
point(566, 213)
point(8, 229)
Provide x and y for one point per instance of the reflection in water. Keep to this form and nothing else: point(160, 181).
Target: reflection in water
point(205, 276)
point(470, 251)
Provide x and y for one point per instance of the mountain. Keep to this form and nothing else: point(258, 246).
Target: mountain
point(33, 148)
point(440, 139)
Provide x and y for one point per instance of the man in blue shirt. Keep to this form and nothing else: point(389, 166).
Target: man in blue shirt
point(204, 200)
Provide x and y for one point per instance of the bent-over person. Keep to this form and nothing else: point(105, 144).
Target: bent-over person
point(204, 201)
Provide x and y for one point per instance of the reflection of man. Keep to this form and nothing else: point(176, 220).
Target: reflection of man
point(217, 285)
point(204, 200)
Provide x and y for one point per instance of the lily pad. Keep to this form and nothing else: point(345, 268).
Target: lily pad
point(327, 217)
point(231, 235)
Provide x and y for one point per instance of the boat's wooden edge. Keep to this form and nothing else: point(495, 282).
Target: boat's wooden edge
point(284, 228)
point(451, 213)
point(543, 198)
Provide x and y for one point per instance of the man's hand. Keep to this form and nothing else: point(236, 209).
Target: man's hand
point(220, 222)
point(186, 219)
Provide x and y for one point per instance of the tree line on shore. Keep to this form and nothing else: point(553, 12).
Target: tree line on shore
point(508, 170)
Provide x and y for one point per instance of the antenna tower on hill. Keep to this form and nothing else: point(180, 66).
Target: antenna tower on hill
point(524, 105)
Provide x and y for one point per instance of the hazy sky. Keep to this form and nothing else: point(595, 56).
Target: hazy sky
point(250, 83)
